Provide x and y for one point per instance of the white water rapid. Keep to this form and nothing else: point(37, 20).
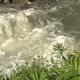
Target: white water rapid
point(26, 33)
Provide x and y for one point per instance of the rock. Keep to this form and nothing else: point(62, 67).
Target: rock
point(17, 1)
point(21, 1)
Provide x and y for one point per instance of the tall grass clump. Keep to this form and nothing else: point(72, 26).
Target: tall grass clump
point(67, 69)
point(70, 69)
point(36, 71)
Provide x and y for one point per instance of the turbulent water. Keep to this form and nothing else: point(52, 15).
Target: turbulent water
point(26, 32)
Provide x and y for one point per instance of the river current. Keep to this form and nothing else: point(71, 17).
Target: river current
point(33, 30)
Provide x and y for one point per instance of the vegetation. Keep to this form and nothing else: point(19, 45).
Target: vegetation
point(68, 69)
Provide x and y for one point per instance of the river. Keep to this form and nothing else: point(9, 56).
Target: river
point(32, 30)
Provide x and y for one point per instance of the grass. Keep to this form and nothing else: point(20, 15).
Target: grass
point(68, 69)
